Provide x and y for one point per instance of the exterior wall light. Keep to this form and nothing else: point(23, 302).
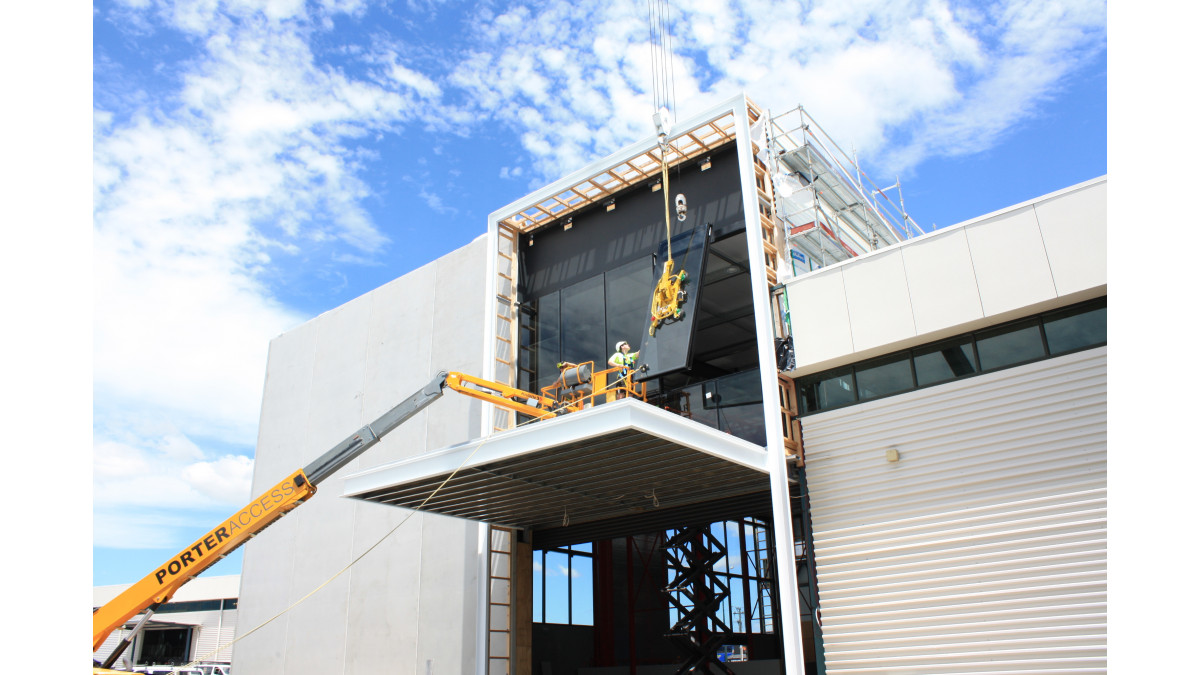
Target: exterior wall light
point(610, 205)
point(706, 164)
point(569, 224)
point(656, 186)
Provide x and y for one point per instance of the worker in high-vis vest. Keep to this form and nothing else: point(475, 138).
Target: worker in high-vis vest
point(623, 359)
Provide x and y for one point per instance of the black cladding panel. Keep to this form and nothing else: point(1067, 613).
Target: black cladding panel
point(600, 240)
point(626, 247)
point(669, 349)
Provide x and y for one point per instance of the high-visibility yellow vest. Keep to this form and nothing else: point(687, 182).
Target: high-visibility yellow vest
point(623, 359)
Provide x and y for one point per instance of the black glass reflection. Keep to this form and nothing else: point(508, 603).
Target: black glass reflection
point(944, 362)
point(582, 313)
point(1010, 345)
point(692, 402)
point(827, 390)
point(738, 389)
point(626, 296)
point(745, 422)
point(547, 340)
point(731, 403)
point(1074, 330)
point(1058, 332)
point(881, 378)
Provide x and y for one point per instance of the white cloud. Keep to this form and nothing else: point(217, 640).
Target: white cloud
point(197, 199)
point(202, 194)
point(226, 480)
point(153, 488)
point(435, 203)
point(904, 79)
point(562, 571)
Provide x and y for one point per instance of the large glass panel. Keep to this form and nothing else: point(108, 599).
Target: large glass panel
point(880, 378)
point(944, 362)
point(547, 339)
point(539, 578)
point(582, 322)
point(527, 348)
point(693, 403)
point(1010, 345)
point(744, 421)
point(581, 590)
point(627, 301)
point(165, 646)
point(737, 598)
point(826, 390)
point(557, 576)
point(1076, 329)
point(740, 389)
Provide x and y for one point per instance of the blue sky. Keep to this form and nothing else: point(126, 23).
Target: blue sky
point(257, 163)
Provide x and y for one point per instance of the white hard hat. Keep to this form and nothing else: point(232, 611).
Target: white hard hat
point(622, 342)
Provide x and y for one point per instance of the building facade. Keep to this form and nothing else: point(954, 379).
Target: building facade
point(781, 496)
point(196, 625)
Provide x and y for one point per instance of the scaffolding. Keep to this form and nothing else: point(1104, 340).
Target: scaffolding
point(828, 208)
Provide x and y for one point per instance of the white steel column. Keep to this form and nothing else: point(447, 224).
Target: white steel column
point(788, 611)
point(483, 618)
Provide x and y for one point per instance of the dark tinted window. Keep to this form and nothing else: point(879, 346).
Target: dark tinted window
point(880, 378)
point(827, 390)
point(1058, 332)
point(740, 411)
point(1068, 331)
point(547, 339)
point(739, 389)
point(165, 645)
point(627, 302)
point(582, 312)
point(197, 605)
point(1010, 345)
point(695, 402)
point(944, 362)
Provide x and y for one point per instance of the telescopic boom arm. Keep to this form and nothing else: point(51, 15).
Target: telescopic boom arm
point(158, 586)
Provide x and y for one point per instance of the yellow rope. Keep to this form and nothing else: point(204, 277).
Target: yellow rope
point(666, 175)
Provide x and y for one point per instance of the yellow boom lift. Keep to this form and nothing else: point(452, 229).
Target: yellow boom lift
point(575, 389)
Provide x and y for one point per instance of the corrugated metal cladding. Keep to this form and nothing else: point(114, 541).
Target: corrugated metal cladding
point(217, 630)
point(212, 630)
point(982, 550)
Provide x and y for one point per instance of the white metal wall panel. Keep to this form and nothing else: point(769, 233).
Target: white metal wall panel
point(983, 549)
point(217, 629)
point(1048, 252)
point(110, 644)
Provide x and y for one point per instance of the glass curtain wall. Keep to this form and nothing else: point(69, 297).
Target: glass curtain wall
point(584, 321)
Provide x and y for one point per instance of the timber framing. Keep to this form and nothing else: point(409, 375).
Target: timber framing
point(690, 144)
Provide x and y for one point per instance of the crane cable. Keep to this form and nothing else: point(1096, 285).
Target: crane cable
point(662, 85)
point(668, 293)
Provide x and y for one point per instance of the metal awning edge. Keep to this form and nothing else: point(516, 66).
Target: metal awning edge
point(600, 420)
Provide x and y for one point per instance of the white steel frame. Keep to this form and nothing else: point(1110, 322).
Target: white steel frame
point(565, 195)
